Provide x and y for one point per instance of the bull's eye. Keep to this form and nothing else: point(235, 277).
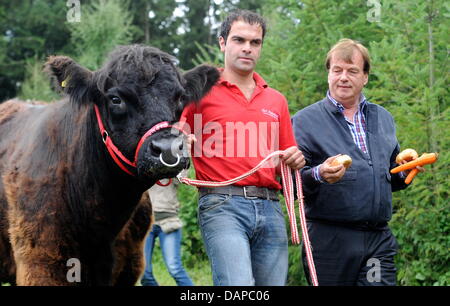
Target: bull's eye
point(179, 98)
point(115, 100)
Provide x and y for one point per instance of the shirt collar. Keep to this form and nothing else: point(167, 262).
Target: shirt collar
point(259, 81)
point(362, 102)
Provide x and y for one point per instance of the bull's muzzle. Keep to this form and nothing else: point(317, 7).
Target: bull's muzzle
point(161, 158)
point(168, 149)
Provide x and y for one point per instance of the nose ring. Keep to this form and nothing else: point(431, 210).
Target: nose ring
point(169, 165)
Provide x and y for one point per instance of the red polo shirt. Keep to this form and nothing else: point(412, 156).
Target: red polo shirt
point(235, 134)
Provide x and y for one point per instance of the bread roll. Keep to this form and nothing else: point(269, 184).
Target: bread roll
point(344, 160)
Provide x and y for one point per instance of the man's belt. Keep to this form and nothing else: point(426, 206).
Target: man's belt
point(249, 192)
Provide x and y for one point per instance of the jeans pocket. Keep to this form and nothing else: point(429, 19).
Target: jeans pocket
point(211, 201)
point(277, 207)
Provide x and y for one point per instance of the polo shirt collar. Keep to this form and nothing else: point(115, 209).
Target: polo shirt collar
point(259, 81)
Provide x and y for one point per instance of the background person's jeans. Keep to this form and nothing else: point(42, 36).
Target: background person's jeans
point(245, 239)
point(171, 250)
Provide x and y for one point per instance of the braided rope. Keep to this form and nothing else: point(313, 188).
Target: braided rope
point(288, 192)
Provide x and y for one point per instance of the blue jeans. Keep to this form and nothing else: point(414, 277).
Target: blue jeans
point(245, 239)
point(171, 250)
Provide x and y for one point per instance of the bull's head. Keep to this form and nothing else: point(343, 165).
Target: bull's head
point(137, 88)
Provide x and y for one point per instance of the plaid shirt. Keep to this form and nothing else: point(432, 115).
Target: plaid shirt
point(357, 128)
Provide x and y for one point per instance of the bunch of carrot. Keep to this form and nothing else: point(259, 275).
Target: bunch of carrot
point(414, 161)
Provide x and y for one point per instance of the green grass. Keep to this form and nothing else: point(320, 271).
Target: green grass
point(200, 273)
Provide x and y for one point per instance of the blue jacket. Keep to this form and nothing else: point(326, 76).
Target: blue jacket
point(364, 194)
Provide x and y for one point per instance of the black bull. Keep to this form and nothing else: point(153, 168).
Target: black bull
point(61, 194)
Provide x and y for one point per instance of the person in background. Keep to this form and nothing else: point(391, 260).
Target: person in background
point(167, 227)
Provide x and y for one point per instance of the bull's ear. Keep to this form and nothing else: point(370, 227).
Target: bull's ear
point(199, 81)
point(67, 76)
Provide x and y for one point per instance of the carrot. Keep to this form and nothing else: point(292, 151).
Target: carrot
point(425, 159)
point(411, 176)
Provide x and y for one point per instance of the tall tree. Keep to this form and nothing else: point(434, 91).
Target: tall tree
point(195, 30)
point(28, 28)
point(156, 23)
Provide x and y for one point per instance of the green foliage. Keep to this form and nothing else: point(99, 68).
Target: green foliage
point(28, 29)
point(207, 54)
point(199, 272)
point(160, 30)
point(196, 30)
point(410, 81)
point(36, 85)
point(104, 25)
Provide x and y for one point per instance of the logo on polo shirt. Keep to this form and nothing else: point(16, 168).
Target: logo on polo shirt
point(270, 113)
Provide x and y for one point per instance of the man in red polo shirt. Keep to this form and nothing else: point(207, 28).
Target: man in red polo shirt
point(236, 125)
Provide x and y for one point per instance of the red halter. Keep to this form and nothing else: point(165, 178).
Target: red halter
point(115, 153)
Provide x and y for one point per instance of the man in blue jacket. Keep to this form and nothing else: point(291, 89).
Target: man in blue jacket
point(348, 209)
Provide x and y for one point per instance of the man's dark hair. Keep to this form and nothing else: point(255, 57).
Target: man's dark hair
point(241, 15)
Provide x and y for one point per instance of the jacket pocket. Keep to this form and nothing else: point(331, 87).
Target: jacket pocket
point(349, 175)
point(388, 177)
point(337, 201)
point(385, 210)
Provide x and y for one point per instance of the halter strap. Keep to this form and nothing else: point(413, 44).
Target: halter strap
point(115, 153)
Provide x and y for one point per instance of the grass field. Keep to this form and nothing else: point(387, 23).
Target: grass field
point(200, 273)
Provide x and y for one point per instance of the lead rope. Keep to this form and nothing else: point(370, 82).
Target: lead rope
point(288, 192)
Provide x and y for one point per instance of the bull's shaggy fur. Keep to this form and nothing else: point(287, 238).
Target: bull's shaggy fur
point(61, 194)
